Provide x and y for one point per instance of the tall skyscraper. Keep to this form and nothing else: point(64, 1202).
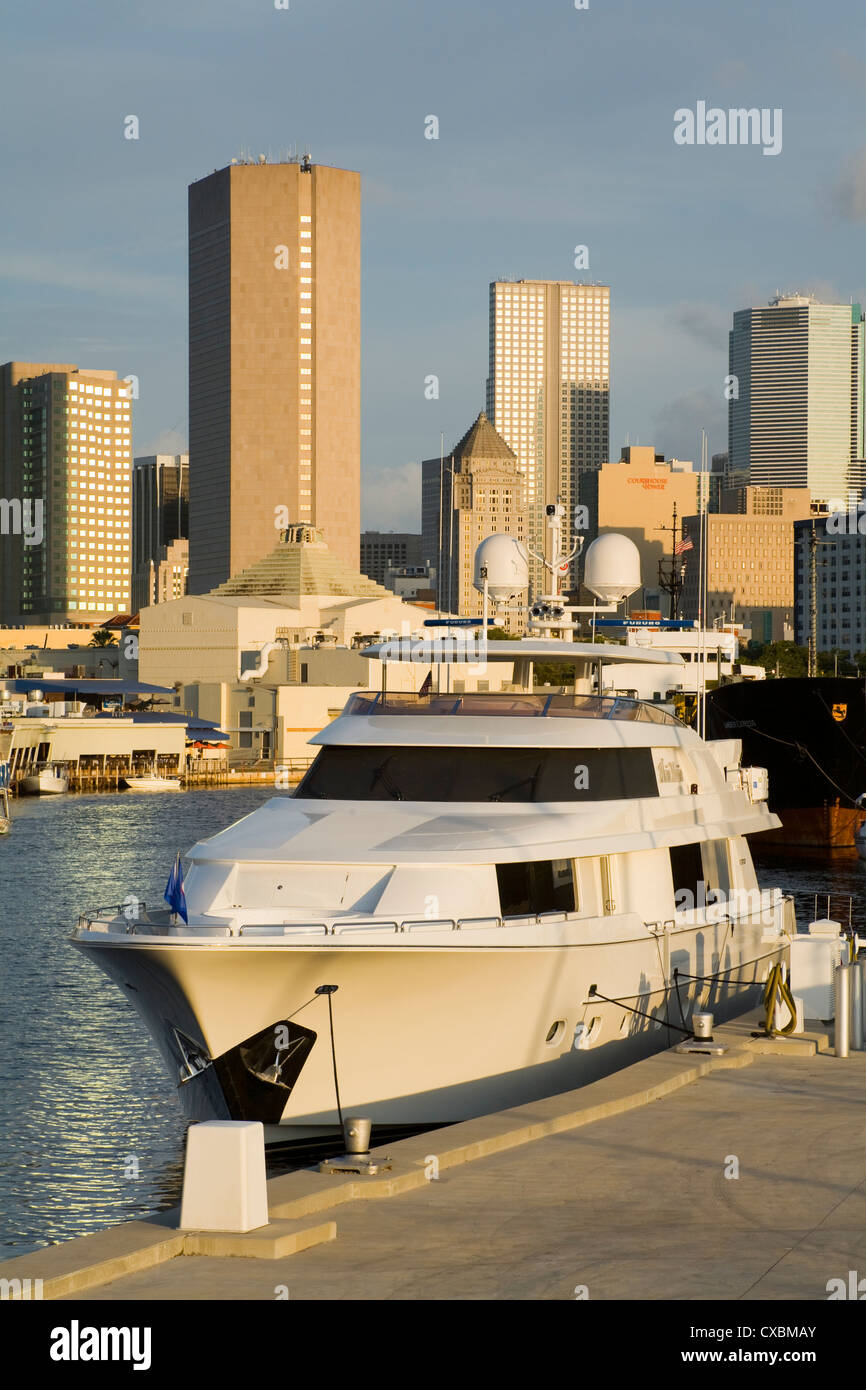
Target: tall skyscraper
point(65, 465)
point(796, 397)
point(274, 362)
point(160, 528)
point(548, 389)
point(160, 504)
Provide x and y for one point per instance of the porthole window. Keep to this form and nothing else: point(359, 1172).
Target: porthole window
point(586, 1034)
point(555, 1032)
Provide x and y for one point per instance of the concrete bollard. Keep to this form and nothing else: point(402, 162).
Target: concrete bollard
point(842, 985)
point(224, 1181)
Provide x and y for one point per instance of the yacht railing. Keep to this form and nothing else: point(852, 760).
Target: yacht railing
point(378, 702)
point(769, 899)
point(96, 914)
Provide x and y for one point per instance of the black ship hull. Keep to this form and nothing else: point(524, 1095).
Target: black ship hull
point(810, 735)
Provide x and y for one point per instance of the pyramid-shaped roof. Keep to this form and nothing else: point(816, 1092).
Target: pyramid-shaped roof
point(482, 441)
point(301, 564)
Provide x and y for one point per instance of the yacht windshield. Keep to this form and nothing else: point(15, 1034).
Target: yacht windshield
point(480, 774)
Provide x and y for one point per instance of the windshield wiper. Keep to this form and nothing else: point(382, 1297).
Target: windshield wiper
point(387, 781)
point(500, 795)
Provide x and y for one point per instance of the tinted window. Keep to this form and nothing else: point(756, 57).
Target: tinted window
point(688, 874)
point(544, 886)
point(480, 774)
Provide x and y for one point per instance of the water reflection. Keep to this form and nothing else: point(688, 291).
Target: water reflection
point(90, 1130)
point(814, 878)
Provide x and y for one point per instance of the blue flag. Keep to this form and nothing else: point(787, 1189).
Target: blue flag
point(174, 894)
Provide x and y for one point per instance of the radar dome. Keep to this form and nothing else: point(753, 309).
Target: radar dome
point(506, 563)
point(612, 567)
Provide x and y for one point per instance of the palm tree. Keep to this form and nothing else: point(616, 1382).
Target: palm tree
point(103, 638)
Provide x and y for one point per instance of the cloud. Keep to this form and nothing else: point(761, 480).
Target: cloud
point(732, 72)
point(52, 268)
point(848, 65)
point(848, 194)
point(678, 424)
point(392, 498)
point(824, 290)
point(706, 324)
point(166, 442)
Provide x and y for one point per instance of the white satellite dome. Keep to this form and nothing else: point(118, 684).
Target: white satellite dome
point(612, 567)
point(507, 565)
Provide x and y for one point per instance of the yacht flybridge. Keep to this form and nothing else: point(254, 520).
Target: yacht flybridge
point(514, 893)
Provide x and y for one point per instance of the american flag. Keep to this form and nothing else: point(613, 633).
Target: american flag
point(682, 546)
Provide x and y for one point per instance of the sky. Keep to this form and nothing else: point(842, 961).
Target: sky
point(556, 129)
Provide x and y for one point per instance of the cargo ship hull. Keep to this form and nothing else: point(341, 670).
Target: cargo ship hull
point(810, 734)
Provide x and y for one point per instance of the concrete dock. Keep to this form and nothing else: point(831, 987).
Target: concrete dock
point(683, 1177)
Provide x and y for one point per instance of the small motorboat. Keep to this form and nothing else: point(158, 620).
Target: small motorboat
point(151, 782)
point(49, 779)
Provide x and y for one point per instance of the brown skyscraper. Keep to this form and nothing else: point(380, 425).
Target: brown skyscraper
point(274, 362)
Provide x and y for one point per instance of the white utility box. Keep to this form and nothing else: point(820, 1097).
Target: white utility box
point(814, 957)
point(224, 1182)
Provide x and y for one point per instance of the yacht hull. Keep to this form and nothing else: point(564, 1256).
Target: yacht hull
point(45, 784)
point(151, 784)
point(424, 1034)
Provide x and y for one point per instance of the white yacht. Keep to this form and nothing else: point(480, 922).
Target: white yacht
point(50, 779)
point(151, 782)
point(513, 894)
point(708, 654)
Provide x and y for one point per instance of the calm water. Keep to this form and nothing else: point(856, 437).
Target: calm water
point(90, 1130)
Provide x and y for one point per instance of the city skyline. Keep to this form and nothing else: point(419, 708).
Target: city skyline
point(509, 188)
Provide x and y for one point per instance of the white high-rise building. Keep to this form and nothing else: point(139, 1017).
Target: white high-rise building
point(548, 389)
point(795, 412)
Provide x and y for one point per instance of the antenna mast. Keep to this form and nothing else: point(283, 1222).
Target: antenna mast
point(672, 570)
point(548, 612)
